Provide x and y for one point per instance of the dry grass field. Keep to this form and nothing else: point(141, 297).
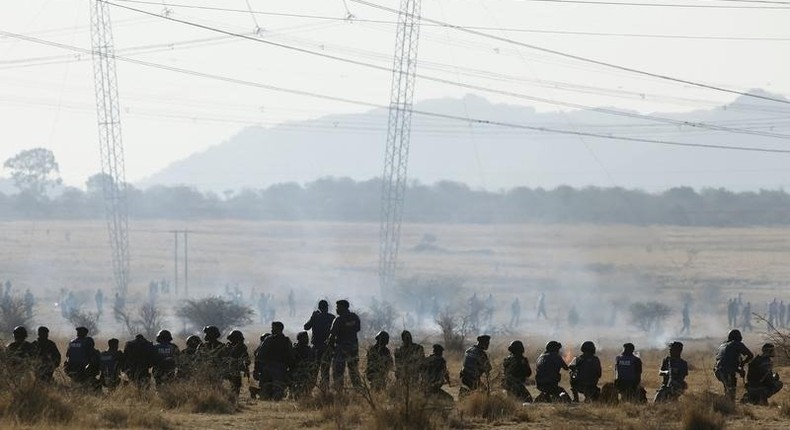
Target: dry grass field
point(596, 269)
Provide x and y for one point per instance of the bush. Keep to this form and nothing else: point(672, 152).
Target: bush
point(454, 329)
point(215, 311)
point(30, 402)
point(702, 419)
point(492, 407)
point(148, 321)
point(13, 313)
point(649, 315)
point(89, 320)
point(198, 398)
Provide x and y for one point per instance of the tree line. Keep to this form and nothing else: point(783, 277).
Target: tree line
point(36, 175)
point(343, 199)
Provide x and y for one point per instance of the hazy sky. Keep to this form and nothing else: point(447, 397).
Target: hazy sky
point(49, 101)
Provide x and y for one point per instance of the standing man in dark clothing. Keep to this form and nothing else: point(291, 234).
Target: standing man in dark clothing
point(628, 375)
point(48, 355)
point(165, 365)
point(517, 370)
point(99, 297)
point(674, 371)
point(321, 323)
point(476, 364)
point(303, 370)
point(585, 373)
point(686, 319)
point(140, 356)
point(515, 313)
point(112, 361)
point(435, 374)
point(730, 359)
point(747, 317)
point(761, 381)
point(82, 358)
point(274, 360)
point(548, 376)
point(343, 341)
point(542, 306)
point(237, 360)
point(408, 359)
point(732, 312)
point(379, 362)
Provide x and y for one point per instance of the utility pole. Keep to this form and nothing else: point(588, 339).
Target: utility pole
point(185, 234)
point(396, 158)
point(110, 142)
point(175, 260)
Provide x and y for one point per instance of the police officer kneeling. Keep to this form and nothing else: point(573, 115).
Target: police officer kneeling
point(761, 381)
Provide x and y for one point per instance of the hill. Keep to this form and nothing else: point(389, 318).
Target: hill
point(494, 157)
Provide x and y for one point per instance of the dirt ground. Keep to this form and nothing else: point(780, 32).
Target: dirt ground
point(583, 266)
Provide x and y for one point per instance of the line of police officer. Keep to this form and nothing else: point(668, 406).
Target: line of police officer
point(281, 367)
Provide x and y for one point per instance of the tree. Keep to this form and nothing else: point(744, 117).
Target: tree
point(649, 315)
point(215, 311)
point(34, 170)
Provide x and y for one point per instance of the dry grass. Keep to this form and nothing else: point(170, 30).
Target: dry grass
point(316, 256)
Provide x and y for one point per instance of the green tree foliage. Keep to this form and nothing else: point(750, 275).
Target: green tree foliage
point(34, 170)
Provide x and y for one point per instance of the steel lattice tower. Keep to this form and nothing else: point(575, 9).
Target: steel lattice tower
point(396, 158)
point(110, 144)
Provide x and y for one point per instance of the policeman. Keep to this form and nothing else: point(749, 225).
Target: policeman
point(275, 358)
point(112, 361)
point(345, 345)
point(140, 356)
point(547, 374)
point(585, 373)
point(320, 323)
point(476, 364)
point(303, 372)
point(211, 352)
point(236, 360)
point(82, 358)
point(380, 362)
point(20, 351)
point(628, 375)
point(165, 365)
point(730, 359)
point(517, 370)
point(761, 381)
point(48, 355)
point(187, 359)
point(674, 371)
point(408, 358)
point(435, 374)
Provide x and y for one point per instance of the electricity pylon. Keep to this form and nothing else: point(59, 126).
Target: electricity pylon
point(110, 143)
point(396, 158)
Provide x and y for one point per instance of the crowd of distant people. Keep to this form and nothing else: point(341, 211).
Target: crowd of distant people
point(320, 359)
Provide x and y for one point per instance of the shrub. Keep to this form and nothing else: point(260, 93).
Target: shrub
point(649, 315)
point(13, 313)
point(215, 311)
point(702, 419)
point(198, 398)
point(89, 320)
point(30, 402)
point(492, 407)
point(148, 321)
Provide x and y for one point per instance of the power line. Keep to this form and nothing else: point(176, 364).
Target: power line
point(310, 94)
point(459, 84)
point(488, 28)
point(578, 57)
